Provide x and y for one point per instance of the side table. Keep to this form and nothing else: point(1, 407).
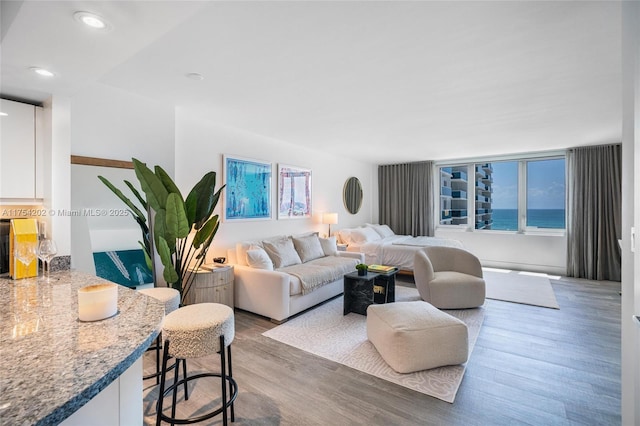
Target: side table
point(212, 285)
point(360, 291)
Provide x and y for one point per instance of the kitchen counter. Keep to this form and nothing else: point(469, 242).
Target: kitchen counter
point(51, 364)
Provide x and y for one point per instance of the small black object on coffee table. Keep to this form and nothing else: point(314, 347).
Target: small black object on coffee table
point(360, 291)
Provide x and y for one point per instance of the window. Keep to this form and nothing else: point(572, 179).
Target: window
point(504, 195)
point(546, 194)
point(504, 202)
point(453, 195)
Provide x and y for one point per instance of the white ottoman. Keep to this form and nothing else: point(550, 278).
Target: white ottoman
point(414, 336)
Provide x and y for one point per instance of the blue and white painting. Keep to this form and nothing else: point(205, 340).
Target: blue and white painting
point(248, 191)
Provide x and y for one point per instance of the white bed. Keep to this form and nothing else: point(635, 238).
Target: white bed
point(381, 246)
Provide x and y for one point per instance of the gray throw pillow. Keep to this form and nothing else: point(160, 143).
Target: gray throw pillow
point(282, 252)
point(308, 247)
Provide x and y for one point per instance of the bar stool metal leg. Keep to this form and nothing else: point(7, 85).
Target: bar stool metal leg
point(233, 415)
point(162, 383)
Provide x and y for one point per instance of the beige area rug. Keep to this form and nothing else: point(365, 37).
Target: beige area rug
point(519, 287)
point(326, 332)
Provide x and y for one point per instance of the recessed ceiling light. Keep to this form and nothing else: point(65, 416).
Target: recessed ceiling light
point(3, 114)
point(41, 71)
point(92, 20)
point(195, 76)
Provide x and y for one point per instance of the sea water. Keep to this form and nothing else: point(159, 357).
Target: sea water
point(507, 219)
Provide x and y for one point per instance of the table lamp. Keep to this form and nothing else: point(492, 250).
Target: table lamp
point(329, 219)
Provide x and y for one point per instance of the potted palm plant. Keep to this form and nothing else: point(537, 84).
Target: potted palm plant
point(183, 228)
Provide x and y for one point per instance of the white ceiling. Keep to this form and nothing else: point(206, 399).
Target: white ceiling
point(384, 81)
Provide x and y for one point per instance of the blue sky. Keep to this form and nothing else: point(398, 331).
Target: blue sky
point(545, 184)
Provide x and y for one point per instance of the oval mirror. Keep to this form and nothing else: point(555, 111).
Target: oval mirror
point(352, 195)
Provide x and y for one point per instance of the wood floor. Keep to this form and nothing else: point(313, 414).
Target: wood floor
point(530, 365)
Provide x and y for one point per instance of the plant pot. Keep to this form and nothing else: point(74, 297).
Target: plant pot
point(362, 272)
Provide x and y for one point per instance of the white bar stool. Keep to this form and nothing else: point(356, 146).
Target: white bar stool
point(171, 299)
point(196, 331)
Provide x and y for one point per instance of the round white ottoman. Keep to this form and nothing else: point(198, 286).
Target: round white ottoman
point(414, 336)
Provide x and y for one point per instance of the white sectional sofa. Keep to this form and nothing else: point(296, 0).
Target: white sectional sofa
point(284, 275)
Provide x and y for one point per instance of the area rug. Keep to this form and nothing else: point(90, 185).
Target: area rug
point(326, 332)
point(519, 287)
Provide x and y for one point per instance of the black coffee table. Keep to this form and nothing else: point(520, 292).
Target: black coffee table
point(360, 291)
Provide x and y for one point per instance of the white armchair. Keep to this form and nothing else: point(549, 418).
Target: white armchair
point(449, 278)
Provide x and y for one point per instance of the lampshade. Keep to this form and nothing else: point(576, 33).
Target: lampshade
point(330, 218)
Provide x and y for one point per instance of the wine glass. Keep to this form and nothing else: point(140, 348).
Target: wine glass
point(25, 251)
point(46, 251)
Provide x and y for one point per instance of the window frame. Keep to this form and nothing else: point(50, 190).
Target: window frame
point(470, 164)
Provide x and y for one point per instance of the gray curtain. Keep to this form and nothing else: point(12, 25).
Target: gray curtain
point(405, 197)
point(594, 212)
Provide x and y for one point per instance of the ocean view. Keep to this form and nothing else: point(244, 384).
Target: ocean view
point(507, 219)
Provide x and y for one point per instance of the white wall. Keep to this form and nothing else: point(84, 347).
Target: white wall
point(527, 252)
point(113, 124)
point(200, 145)
point(630, 212)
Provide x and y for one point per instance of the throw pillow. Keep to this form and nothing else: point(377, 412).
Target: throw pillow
point(241, 250)
point(282, 252)
point(308, 247)
point(259, 259)
point(329, 246)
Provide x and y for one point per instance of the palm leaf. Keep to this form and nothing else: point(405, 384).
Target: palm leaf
point(135, 210)
point(176, 219)
point(137, 194)
point(167, 181)
point(152, 186)
point(170, 275)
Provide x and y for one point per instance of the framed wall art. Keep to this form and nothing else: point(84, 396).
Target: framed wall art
point(294, 192)
point(248, 191)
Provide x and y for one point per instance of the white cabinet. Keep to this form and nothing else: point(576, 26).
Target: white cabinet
point(20, 155)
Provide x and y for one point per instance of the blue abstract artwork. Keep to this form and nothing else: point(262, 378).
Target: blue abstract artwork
point(248, 189)
point(125, 267)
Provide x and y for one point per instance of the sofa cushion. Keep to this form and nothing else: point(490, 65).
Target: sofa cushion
point(308, 247)
point(282, 252)
point(329, 246)
point(258, 258)
point(321, 271)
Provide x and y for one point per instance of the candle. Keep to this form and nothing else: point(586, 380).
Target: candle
point(96, 302)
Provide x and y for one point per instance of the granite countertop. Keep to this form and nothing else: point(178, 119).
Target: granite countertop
point(51, 363)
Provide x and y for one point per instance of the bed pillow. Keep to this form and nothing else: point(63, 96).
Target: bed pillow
point(329, 246)
point(258, 258)
point(282, 252)
point(383, 230)
point(364, 235)
point(308, 247)
point(344, 235)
